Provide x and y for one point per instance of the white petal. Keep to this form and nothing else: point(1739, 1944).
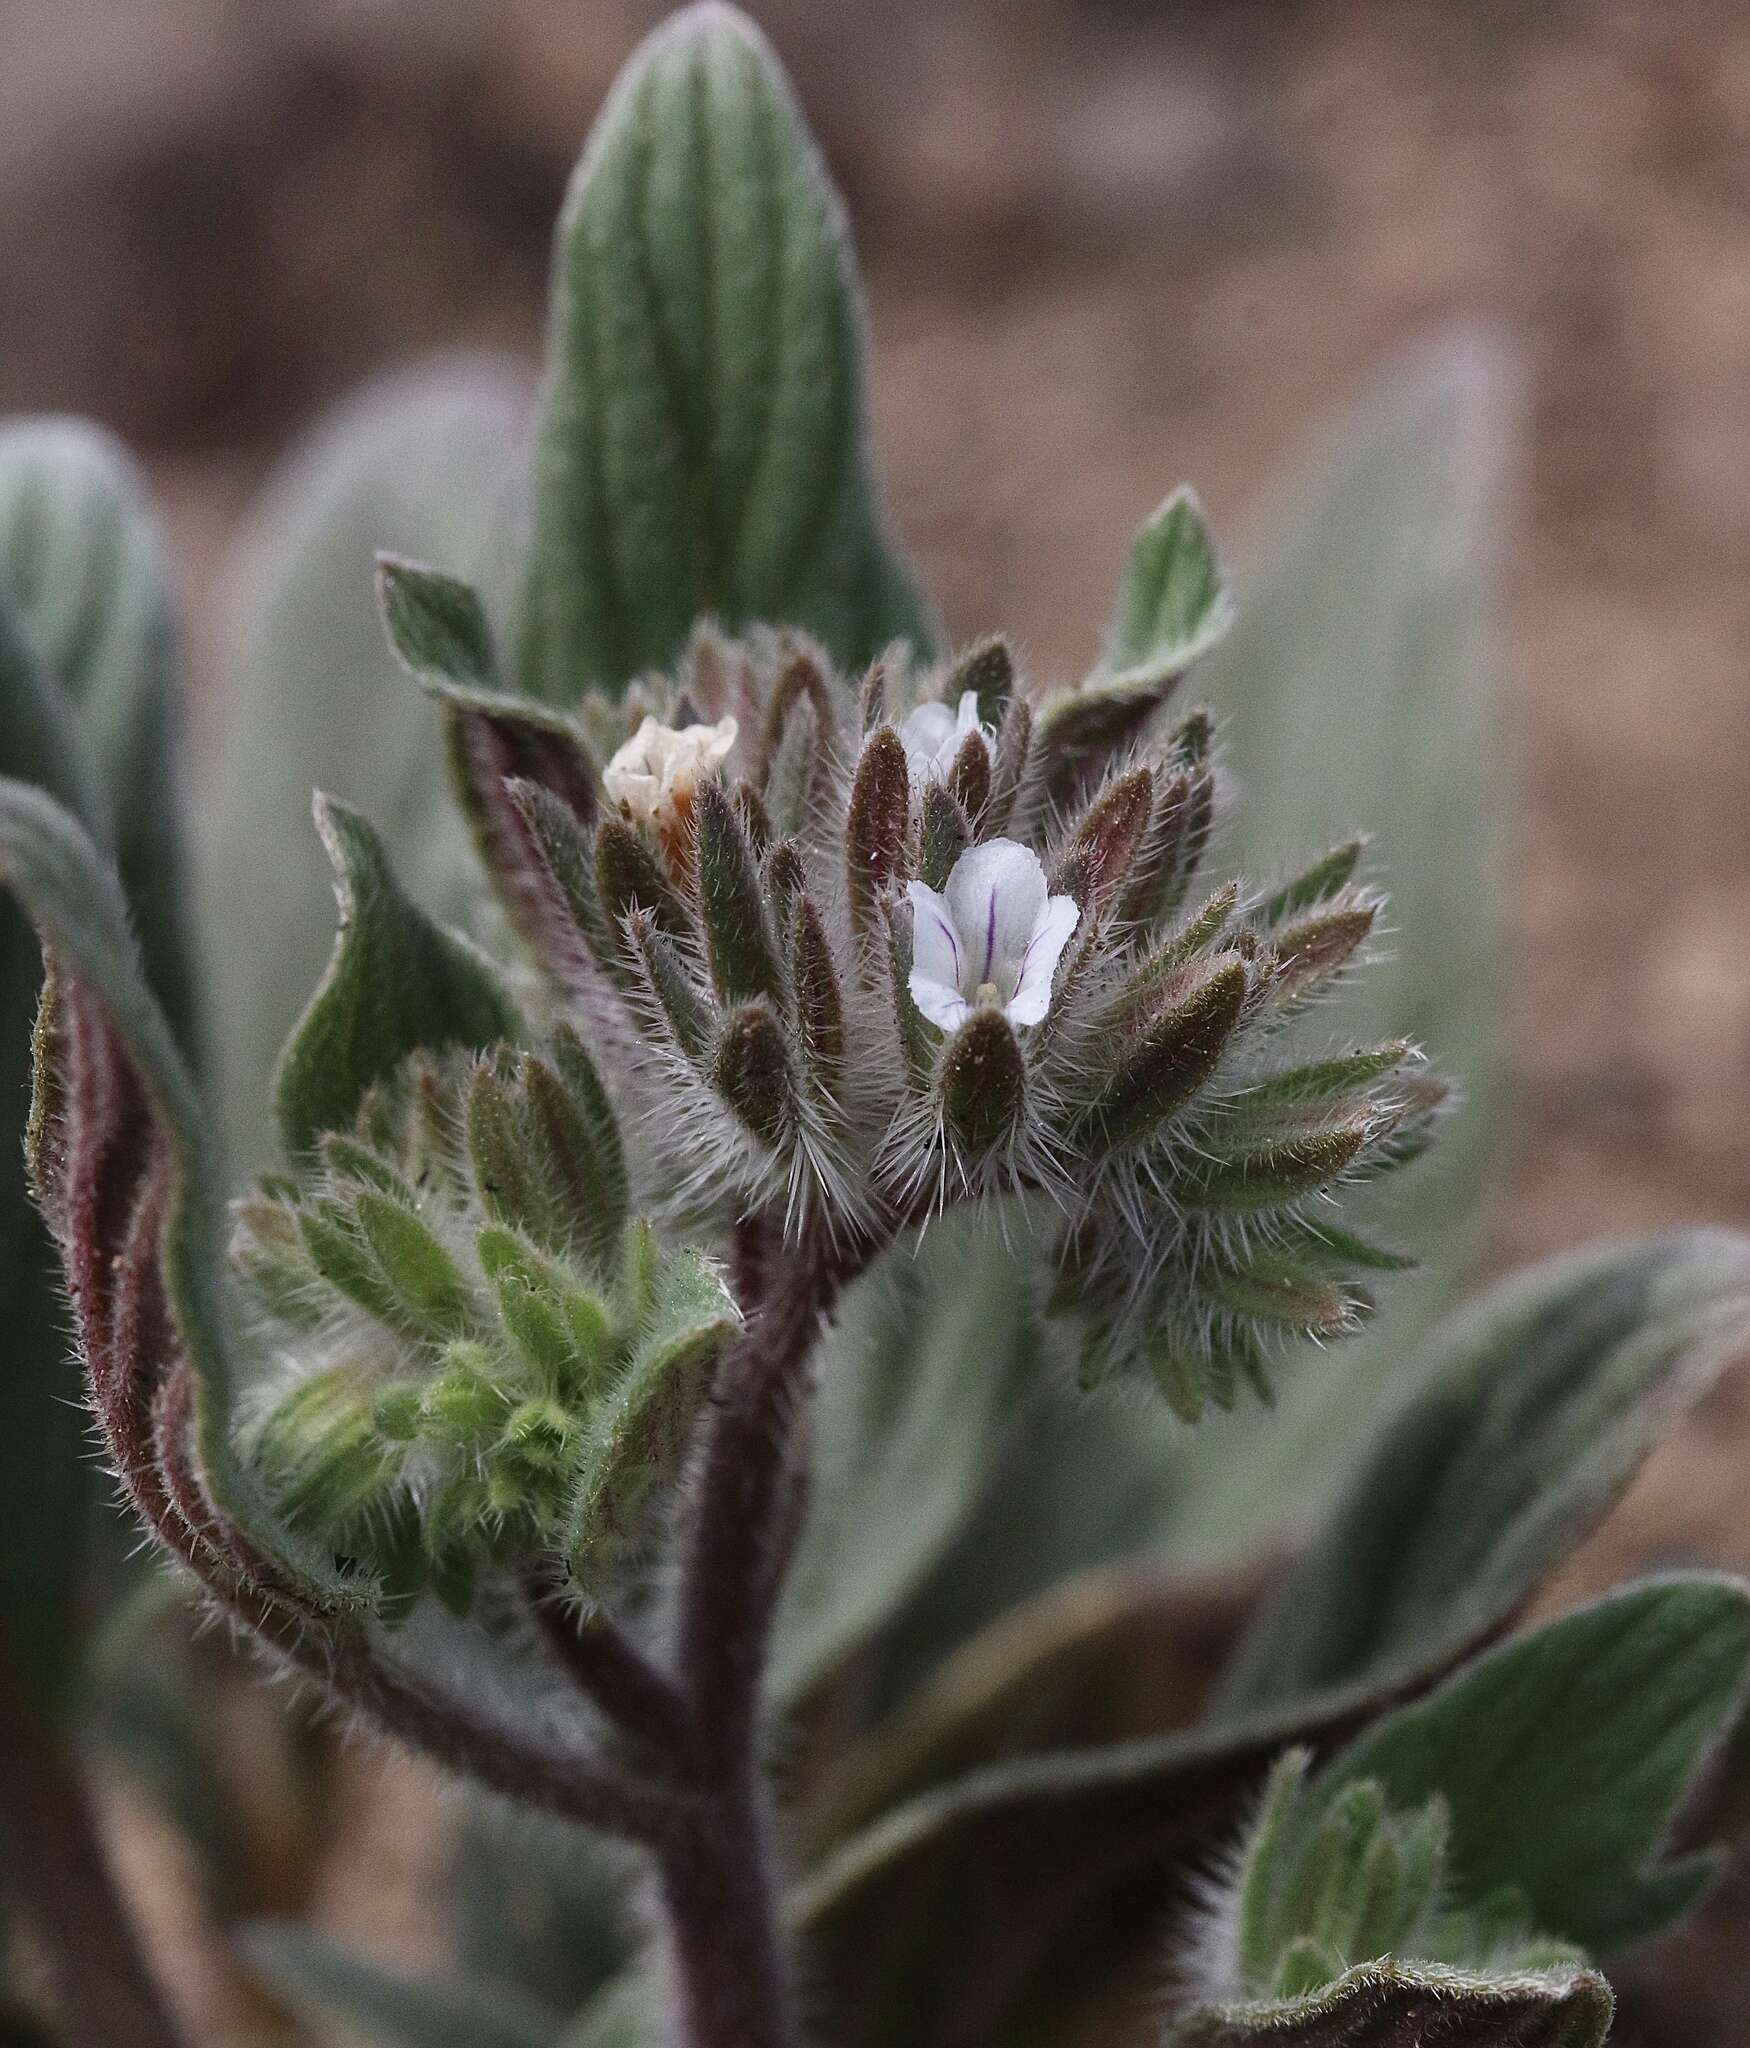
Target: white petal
point(935, 945)
point(966, 720)
point(995, 896)
point(928, 738)
point(1032, 997)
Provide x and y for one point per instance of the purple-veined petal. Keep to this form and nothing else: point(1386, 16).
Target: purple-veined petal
point(996, 895)
point(937, 959)
point(1032, 997)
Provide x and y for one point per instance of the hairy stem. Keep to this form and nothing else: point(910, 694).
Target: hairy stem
point(612, 1672)
point(718, 1877)
point(65, 1894)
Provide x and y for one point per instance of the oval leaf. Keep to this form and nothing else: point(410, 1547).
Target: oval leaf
point(703, 439)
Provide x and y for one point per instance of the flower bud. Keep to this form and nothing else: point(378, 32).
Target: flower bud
point(1172, 1057)
point(744, 961)
point(752, 1073)
point(876, 826)
point(983, 1085)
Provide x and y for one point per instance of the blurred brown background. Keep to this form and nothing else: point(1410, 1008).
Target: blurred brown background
point(1110, 245)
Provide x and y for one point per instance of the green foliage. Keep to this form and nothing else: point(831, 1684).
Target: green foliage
point(702, 433)
point(323, 1980)
point(1610, 1345)
point(428, 464)
point(74, 901)
point(396, 982)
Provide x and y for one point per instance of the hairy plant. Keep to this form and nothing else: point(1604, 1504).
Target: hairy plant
point(608, 1390)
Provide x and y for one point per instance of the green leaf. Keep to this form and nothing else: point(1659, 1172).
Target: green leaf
point(437, 624)
point(84, 562)
point(638, 1435)
point(429, 463)
point(1532, 1416)
point(73, 898)
point(1173, 604)
point(1566, 1755)
point(396, 982)
point(1173, 607)
point(917, 1381)
point(324, 1981)
point(1537, 1406)
point(1388, 2002)
point(1358, 687)
point(703, 437)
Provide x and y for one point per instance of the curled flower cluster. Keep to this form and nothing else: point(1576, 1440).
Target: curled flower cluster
point(856, 950)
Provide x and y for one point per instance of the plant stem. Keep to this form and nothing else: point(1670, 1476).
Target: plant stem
point(64, 1892)
point(718, 1878)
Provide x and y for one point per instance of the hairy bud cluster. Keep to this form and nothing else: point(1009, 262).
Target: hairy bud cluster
point(1331, 1878)
point(488, 1359)
point(863, 949)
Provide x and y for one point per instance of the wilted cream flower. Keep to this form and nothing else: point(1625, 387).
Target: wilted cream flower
point(655, 776)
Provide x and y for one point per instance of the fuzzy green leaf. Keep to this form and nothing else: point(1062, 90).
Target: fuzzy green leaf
point(430, 463)
point(703, 439)
point(1358, 684)
point(1173, 604)
point(83, 560)
point(75, 902)
point(324, 1981)
point(1565, 1756)
point(639, 1434)
point(1540, 1402)
point(1533, 1415)
point(1391, 2004)
point(437, 624)
point(396, 982)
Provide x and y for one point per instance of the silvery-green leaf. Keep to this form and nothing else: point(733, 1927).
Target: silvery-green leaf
point(1610, 1344)
point(161, 1161)
point(1531, 1411)
point(917, 1380)
point(703, 444)
point(1357, 689)
point(429, 463)
point(1390, 2004)
point(1566, 1755)
point(437, 624)
point(84, 562)
point(396, 981)
point(326, 1981)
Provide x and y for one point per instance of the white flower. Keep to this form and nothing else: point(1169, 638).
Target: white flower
point(931, 736)
point(993, 937)
point(655, 774)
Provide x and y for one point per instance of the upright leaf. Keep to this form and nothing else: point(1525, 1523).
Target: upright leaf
point(429, 463)
point(82, 557)
point(703, 437)
point(396, 982)
point(1358, 684)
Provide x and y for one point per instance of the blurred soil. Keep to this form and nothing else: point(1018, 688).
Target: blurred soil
point(1110, 245)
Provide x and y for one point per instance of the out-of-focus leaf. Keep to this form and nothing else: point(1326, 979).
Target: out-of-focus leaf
point(540, 1905)
point(429, 463)
point(162, 1159)
point(703, 440)
point(82, 557)
point(1610, 1345)
point(47, 1474)
point(396, 981)
point(917, 1383)
point(1381, 2004)
point(1536, 1407)
point(628, 2014)
point(1358, 684)
point(1566, 1755)
point(326, 1981)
